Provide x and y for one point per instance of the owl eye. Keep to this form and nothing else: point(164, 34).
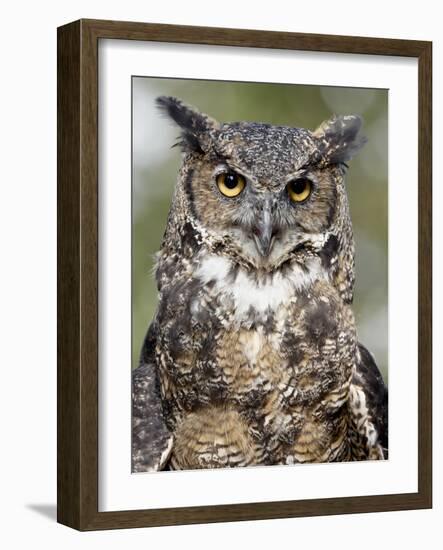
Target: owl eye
point(299, 189)
point(230, 184)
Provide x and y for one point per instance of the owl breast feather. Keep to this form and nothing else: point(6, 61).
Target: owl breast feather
point(272, 349)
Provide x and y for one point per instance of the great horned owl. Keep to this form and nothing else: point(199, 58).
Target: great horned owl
point(253, 357)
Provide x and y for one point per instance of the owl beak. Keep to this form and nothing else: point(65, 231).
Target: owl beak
point(263, 232)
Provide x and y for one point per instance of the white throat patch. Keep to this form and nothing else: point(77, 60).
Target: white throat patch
point(246, 291)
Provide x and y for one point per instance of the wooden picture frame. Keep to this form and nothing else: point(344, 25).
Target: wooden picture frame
point(77, 458)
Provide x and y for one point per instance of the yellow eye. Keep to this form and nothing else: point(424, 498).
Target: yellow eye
point(299, 189)
point(230, 184)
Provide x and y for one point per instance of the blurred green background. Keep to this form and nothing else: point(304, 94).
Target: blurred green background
point(155, 167)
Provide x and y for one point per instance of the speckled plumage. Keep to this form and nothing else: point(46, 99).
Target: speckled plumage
point(253, 357)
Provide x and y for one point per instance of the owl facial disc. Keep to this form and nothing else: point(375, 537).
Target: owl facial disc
point(265, 195)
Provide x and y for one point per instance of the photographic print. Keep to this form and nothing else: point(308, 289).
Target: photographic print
point(230, 315)
point(259, 274)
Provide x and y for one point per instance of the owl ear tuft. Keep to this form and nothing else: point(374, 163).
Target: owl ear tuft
point(196, 127)
point(340, 138)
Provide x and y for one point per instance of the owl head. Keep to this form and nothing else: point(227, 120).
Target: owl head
point(268, 195)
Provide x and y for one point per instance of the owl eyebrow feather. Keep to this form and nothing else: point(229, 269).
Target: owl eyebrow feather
point(307, 166)
point(319, 163)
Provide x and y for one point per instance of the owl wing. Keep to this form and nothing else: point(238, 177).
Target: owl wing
point(151, 439)
point(372, 393)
